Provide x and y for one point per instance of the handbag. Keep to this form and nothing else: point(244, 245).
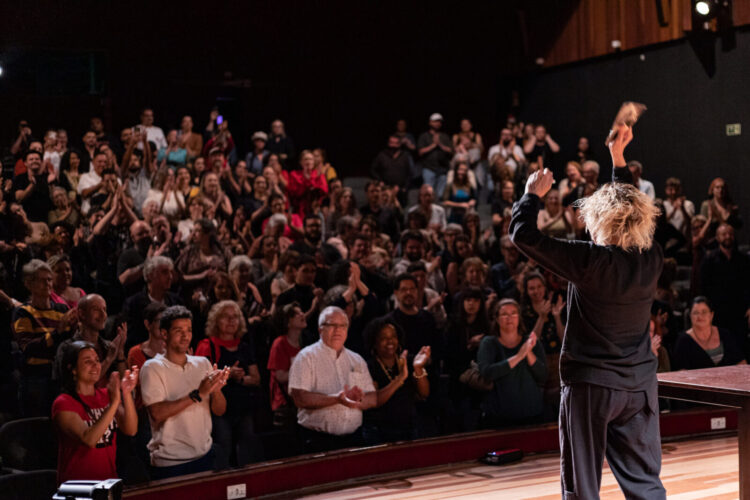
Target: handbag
point(475, 380)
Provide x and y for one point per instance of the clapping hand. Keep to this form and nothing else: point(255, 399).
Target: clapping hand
point(403, 366)
point(422, 357)
point(213, 382)
point(236, 372)
point(558, 306)
point(129, 380)
point(113, 388)
point(351, 397)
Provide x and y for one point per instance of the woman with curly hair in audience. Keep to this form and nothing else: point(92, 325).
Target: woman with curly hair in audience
point(236, 442)
point(516, 364)
point(394, 418)
point(87, 418)
point(344, 204)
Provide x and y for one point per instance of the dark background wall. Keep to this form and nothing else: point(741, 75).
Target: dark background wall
point(683, 132)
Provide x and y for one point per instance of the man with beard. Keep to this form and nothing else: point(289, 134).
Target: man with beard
point(131, 261)
point(137, 171)
point(725, 280)
point(412, 249)
point(435, 152)
point(387, 219)
point(392, 166)
point(32, 188)
point(311, 240)
point(180, 393)
point(507, 148)
point(420, 330)
point(434, 213)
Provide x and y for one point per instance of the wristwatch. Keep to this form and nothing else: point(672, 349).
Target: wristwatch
point(195, 396)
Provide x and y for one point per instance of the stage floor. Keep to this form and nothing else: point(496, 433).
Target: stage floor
point(691, 469)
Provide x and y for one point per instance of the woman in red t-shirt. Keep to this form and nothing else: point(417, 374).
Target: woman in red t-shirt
point(86, 417)
point(290, 320)
point(305, 185)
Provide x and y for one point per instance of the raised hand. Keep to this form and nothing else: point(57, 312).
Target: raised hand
point(540, 182)
point(617, 146)
point(113, 387)
point(403, 366)
point(422, 357)
point(129, 380)
point(558, 307)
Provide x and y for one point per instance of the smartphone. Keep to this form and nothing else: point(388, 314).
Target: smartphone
point(219, 120)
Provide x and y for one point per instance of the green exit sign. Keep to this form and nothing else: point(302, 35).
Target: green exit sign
point(734, 129)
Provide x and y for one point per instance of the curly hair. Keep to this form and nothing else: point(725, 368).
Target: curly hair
point(619, 214)
point(215, 312)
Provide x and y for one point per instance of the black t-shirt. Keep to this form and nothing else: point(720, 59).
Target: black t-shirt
point(240, 398)
point(38, 203)
point(399, 411)
point(129, 259)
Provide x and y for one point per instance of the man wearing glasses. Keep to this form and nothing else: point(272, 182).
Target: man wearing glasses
point(331, 386)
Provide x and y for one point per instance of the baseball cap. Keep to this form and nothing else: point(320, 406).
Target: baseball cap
point(260, 135)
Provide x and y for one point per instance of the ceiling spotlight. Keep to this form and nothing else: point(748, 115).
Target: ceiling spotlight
point(703, 8)
point(1, 71)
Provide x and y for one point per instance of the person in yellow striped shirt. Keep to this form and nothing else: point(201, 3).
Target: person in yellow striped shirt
point(39, 326)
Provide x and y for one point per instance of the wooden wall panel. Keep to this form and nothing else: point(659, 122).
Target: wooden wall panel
point(591, 29)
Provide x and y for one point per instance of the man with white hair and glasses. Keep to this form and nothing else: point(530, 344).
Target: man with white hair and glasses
point(331, 386)
point(608, 372)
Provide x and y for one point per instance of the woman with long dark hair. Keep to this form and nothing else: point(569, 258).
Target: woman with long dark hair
point(86, 418)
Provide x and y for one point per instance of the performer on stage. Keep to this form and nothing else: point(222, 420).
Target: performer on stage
point(608, 373)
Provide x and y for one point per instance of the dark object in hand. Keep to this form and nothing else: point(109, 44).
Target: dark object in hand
point(629, 113)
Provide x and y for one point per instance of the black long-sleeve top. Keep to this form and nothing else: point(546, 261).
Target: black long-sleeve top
point(609, 301)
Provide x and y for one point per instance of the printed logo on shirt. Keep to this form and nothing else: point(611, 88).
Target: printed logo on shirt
point(93, 415)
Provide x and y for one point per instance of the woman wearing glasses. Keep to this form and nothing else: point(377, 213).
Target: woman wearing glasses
point(705, 345)
point(516, 364)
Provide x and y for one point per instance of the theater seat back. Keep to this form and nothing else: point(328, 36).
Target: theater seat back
point(28, 444)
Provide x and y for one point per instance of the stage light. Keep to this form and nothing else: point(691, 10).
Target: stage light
point(702, 8)
point(1, 71)
point(109, 489)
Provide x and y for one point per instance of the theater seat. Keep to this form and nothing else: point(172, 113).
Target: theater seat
point(28, 444)
point(28, 485)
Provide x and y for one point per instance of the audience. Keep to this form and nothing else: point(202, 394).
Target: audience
point(101, 245)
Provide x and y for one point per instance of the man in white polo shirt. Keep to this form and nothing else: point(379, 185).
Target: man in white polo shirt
point(180, 392)
point(331, 386)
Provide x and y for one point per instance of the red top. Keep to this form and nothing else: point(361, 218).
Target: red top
point(280, 358)
point(76, 460)
point(59, 299)
point(137, 357)
point(299, 188)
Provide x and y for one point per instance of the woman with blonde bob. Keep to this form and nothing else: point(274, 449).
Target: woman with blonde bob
point(607, 370)
point(234, 436)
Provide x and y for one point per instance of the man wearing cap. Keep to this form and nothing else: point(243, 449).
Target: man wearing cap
point(258, 157)
point(435, 153)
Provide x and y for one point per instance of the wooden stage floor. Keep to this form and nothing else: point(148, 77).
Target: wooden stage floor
point(691, 469)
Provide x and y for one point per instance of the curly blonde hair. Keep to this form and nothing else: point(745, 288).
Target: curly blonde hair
point(619, 214)
point(213, 318)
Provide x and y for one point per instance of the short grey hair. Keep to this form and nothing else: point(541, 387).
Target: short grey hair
point(154, 263)
point(592, 164)
point(33, 267)
point(239, 261)
point(277, 220)
point(328, 312)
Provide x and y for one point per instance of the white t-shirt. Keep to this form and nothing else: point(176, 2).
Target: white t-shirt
point(437, 215)
point(54, 158)
point(86, 181)
point(317, 369)
point(647, 187)
point(510, 161)
point(186, 436)
point(677, 217)
point(155, 135)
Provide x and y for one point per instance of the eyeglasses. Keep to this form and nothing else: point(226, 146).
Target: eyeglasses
point(337, 326)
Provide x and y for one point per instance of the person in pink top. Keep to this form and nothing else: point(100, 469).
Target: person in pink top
point(290, 320)
point(62, 276)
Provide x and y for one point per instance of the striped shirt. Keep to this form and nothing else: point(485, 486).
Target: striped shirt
point(37, 333)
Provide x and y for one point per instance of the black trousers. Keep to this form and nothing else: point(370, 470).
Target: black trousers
point(596, 421)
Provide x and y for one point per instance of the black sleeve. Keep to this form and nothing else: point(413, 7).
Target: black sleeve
point(568, 259)
point(622, 174)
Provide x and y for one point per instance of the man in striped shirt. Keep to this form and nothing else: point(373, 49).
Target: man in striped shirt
point(39, 326)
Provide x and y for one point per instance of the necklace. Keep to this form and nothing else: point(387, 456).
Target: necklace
point(385, 370)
